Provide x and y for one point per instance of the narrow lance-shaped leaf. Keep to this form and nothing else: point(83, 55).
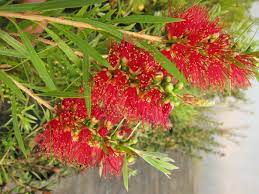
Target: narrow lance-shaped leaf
point(1, 179)
point(36, 60)
point(110, 29)
point(62, 94)
point(10, 53)
point(63, 46)
point(84, 46)
point(145, 19)
point(87, 85)
point(6, 79)
point(13, 43)
point(125, 173)
point(49, 5)
point(165, 62)
point(160, 161)
point(17, 131)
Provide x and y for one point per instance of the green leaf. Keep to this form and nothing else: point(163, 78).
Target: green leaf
point(62, 94)
point(87, 88)
point(7, 80)
point(17, 131)
point(63, 46)
point(145, 19)
point(13, 43)
point(1, 179)
point(110, 29)
point(10, 53)
point(125, 173)
point(49, 5)
point(36, 60)
point(160, 161)
point(84, 46)
point(165, 62)
point(5, 175)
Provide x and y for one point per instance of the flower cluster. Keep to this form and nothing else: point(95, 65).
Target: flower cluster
point(203, 53)
point(141, 64)
point(137, 90)
point(121, 99)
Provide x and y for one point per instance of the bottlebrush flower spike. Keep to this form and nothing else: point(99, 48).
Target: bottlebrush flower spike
point(204, 54)
point(121, 94)
point(116, 98)
point(140, 63)
point(75, 143)
point(195, 27)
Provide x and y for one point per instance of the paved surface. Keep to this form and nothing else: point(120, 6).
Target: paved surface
point(148, 181)
point(238, 171)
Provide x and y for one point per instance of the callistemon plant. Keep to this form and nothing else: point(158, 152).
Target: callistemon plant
point(203, 52)
point(137, 94)
point(125, 99)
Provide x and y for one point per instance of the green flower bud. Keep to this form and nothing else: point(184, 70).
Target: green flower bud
point(133, 141)
point(176, 103)
point(179, 86)
point(158, 78)
point(168, 79)
point(169, 88)
point(131, 160)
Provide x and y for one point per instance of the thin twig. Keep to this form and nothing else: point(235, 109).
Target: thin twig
point(51, 43)
point(134, 129)
point(40, 18)
point(5, 66)
point(34, 96)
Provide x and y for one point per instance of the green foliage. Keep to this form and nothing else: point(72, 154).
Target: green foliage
point(49, 5)
point(125, 173)
point(57, 70)
point(160, 161)
point(192, 133)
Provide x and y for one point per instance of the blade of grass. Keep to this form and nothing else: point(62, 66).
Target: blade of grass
point(145, 19)
point(10, 53)
point(84, 46)
point(111, 30)
point(63, 46)
point(61, 94)
point(17, 131)
point(49, 5)
point(13, 43)
point(36, 60)
point(16, 91)
point(87, 88)
point(125, 173)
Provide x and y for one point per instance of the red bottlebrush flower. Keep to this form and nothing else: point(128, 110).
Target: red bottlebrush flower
point(116, 99)
point(112, 163)
point(196, 25)
point(78, 147)
point(204, 54)
point(121, 94)
point(140, 62)
point(103, 132)
point(124, 132)
point(64, 145)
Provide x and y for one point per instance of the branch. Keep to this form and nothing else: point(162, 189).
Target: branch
point(49, 42)
point(34, 96)
point(40, 18)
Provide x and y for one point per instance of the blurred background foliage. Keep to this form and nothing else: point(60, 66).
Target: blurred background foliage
point(22, 169)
